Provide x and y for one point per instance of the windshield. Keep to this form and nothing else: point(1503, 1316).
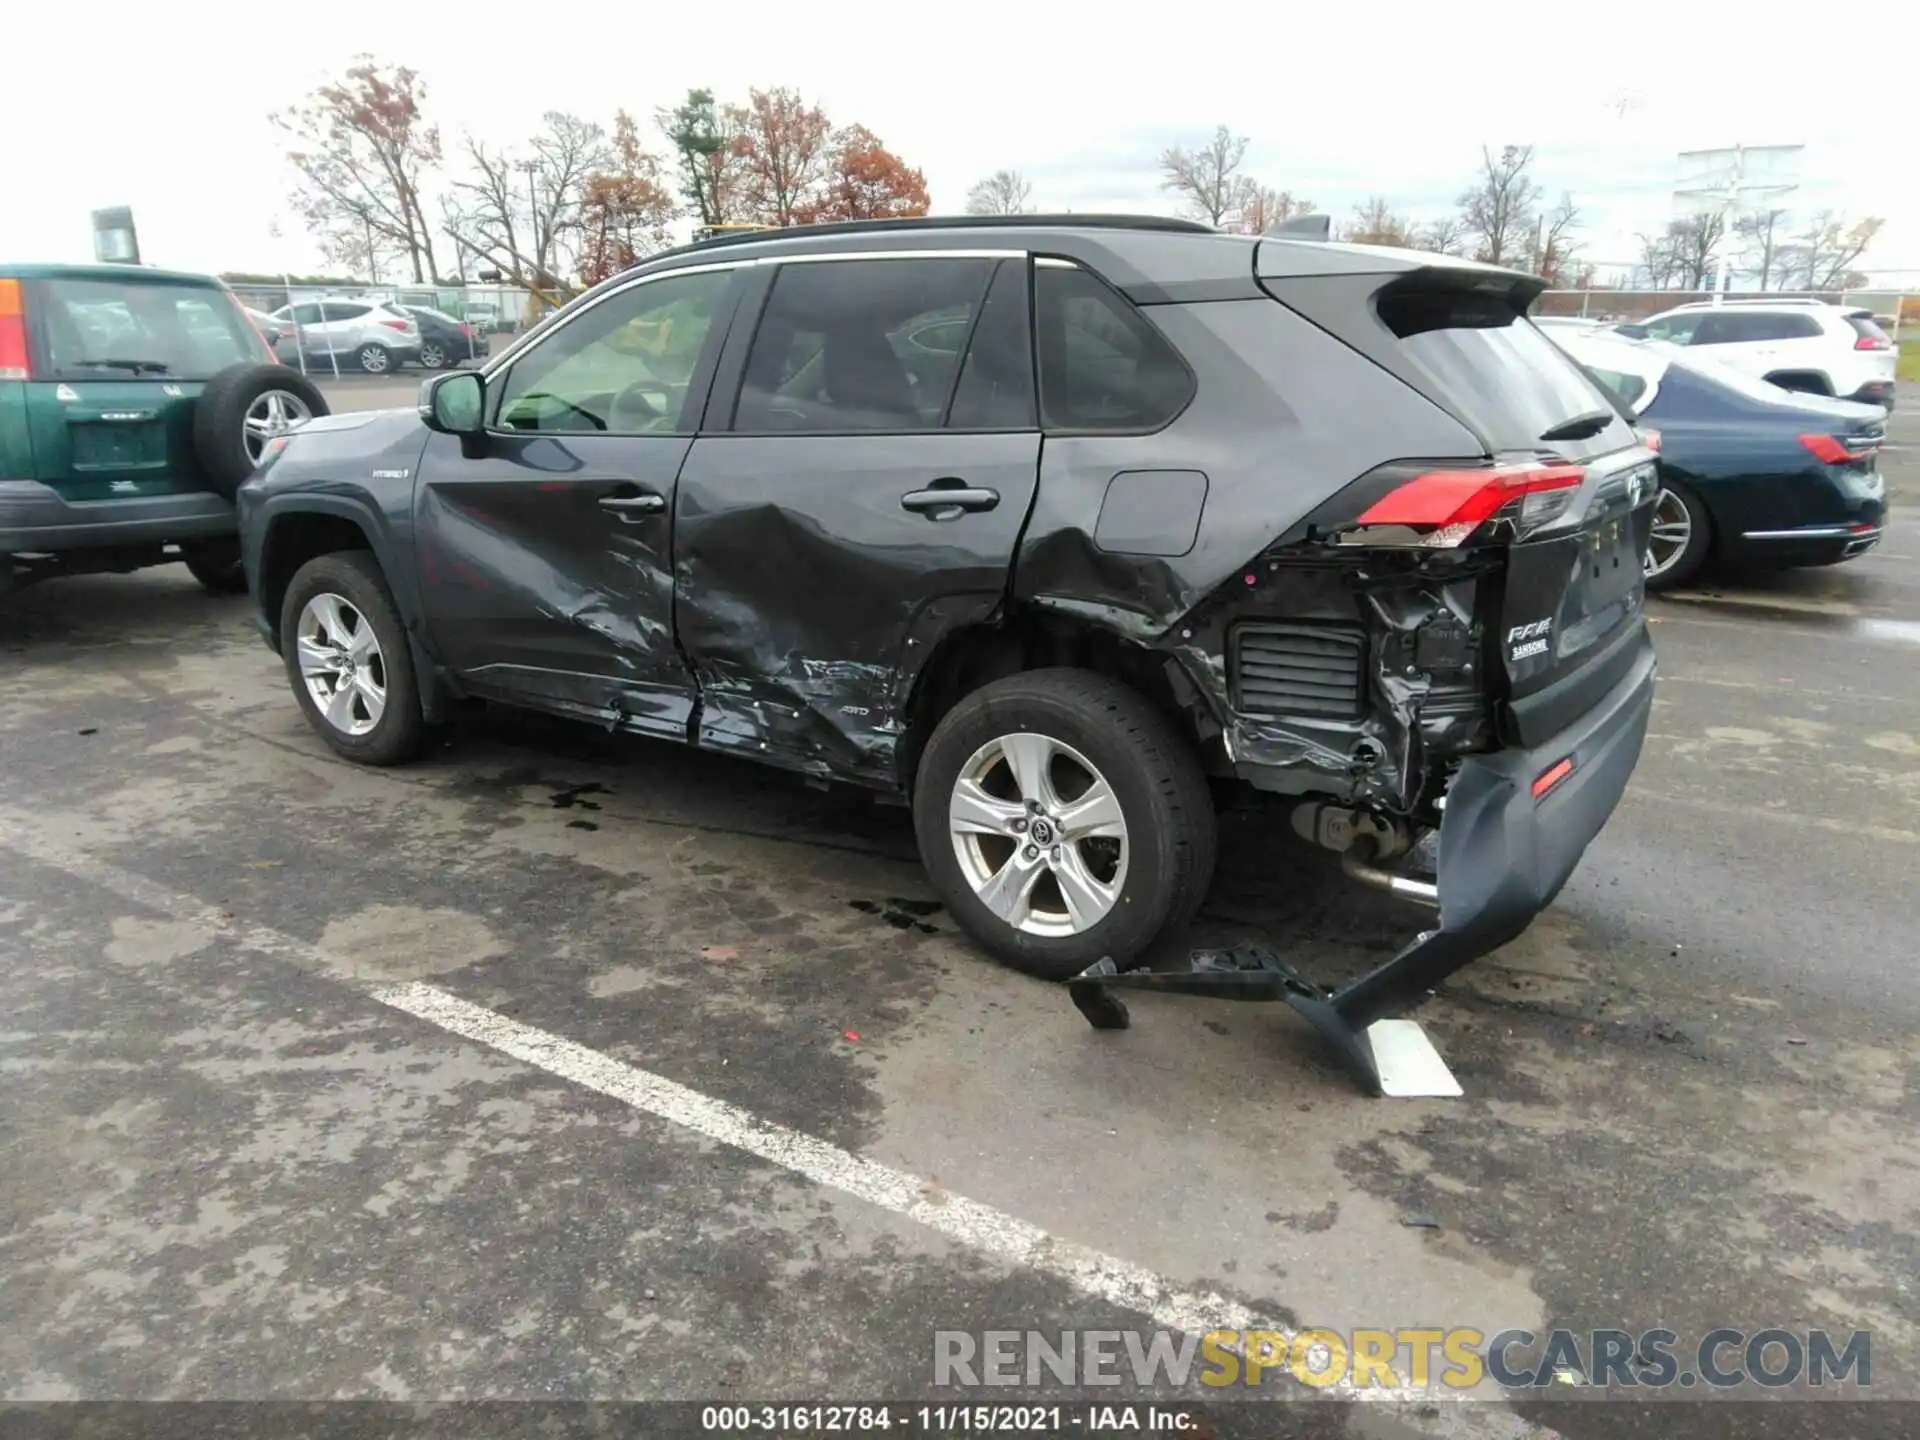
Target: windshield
point(1503, 373)
point(101, 329)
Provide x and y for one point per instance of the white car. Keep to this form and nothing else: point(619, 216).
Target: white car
point(355, 334)
point(1805, 345)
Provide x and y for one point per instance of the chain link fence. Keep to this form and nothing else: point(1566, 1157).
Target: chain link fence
point(460, 324)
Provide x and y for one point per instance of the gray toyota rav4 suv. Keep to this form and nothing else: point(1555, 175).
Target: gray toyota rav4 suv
point(1043, 524)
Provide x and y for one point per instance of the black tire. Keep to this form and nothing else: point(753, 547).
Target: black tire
point(216, 565)
point(1164, 801)
point(433, 355)
point(375, 359)
point(220, 417)
point(1693, 555)
point(354, 575)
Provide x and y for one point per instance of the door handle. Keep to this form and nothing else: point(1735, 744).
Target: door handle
point(950, 500)
point(632, 507)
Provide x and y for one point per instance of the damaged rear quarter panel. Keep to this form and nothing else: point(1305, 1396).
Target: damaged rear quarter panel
point(1284, 417)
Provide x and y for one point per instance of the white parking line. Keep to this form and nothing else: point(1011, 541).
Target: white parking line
point(1092, 1273)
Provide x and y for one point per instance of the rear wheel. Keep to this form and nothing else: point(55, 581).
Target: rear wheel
point(374, 359)
point(1062, 819)
point(347, 659)
point(216, 565)
point(1682, 535)
point(432, 356)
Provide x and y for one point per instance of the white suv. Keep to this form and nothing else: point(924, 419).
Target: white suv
point(1797, 344)
point(363, 334)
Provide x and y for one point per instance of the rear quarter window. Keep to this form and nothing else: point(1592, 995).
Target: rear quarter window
point(1103, 366)
point(91, 329)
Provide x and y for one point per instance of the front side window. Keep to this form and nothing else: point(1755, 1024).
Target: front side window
point(1102, 366)
point(860, 346)
point(105, 329)
point(623, 367)
point(335, 310)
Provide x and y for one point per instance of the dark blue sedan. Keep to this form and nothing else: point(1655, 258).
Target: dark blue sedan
point(1750, 473)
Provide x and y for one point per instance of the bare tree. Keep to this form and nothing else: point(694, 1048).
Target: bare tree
point(1657, 258)
point(1822, 255)
point(1262, 209)
point(1497, 212)
point(1442, 235)
point(521, 211)
point(1695, 244)
point(363, 150)
point(1762, 241)
point(1374, 223)
point(1553, 258)
point(1005, 192)
point(1208, 179)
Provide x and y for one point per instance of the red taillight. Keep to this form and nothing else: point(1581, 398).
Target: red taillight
point(1871, 342)
point(1827, 449)
point(466, 331)
point(394, 324)
point(1551, 777)
point(1650, 439)
point(14, 364)
point(1452, 504)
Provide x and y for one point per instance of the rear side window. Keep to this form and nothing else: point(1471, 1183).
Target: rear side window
point(1506, 378)
point(336, 310)
point(996, 381)
point(1102, 365)
point(112, 329)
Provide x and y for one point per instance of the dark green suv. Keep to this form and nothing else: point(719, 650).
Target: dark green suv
point(133, 403)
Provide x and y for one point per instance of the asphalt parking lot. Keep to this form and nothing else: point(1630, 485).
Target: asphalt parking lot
point(560, 1066)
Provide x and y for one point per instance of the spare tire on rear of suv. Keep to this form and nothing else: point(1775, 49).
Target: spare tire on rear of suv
point(240, 409)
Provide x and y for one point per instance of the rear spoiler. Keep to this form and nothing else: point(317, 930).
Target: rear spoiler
point(1306, 227)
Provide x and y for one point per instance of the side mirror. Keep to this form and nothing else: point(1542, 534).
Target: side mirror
point(454, 403)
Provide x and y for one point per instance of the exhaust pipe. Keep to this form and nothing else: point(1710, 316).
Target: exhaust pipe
point(1354, 862)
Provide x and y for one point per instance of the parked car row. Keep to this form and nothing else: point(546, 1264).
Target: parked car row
point(370, 336)
point(1750, 473)
point(1805, 345)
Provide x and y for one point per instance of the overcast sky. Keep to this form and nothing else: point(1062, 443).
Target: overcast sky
point(165, 107)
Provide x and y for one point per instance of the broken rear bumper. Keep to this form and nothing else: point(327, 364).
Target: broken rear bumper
point(1504, 855)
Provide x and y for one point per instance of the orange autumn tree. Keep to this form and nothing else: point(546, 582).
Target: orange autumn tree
point(625, 209)
point(865, 181)
point(784, 146)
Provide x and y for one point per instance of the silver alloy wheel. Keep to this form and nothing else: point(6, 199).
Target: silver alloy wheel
point(432, 356)
point(1672, 532)
point(1039, 834)
point(341, 663)
point(373, 359)
point(273, 412)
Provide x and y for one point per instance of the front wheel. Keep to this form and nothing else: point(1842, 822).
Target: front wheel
point(347, 659)
point(1063, 819)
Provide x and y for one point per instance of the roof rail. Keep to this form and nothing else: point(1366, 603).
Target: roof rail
point(944, 222)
